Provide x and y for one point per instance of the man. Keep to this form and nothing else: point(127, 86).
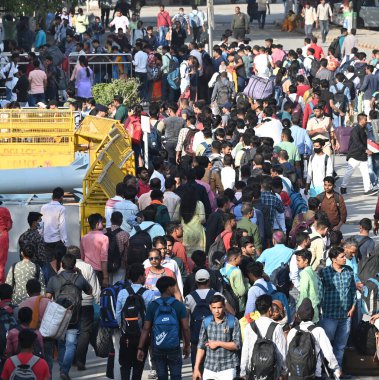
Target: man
point(163, 24)
point(158, 172)
point(105, 7)
point(219, 343)
point(318, 232)
point(319, 166)
point(263, 7)
point(32, 236)
point(184, 148)
point(269, 127)
point(140, 69)
point(333, 204)
point(39, 367)
point(87, 314)
point(266, 327)
point(144, 200)
point(357, 157)
point(109, 205)
point(54, 226)
point(143, 180)
point(337, 302)
point(94, 249)
point(121, 110)
point(324, 12)
point(310, 16)
point(128, 350)
point(127, 207)
point(323, 73)
point(170, 199)
point(349, 42)
point(365, 243)
point(166, 352)
point(369, 85)
point(55, 286)
point(52, 73)
point(240, 24)
point(341, 101)
point(8, 73)
point(119, 21)
point(175, 230)
point(183, 19)
point(251, 228)
point(223, 90)
point(197, 23)
point(161, 212)
point(279, 254)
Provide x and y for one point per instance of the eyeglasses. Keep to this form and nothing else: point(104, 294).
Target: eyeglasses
point(154, 258)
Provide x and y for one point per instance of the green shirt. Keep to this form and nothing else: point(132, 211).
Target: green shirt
point(309, 289)
point(293, 153)
point(121, 113)
point(252, 230)
point(238, 285)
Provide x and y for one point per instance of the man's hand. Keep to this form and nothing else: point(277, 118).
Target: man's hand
point(186, 351)
point(374, 318)
point(212, 344)
point(368, 151)
point(105, 283)
point(140, 355)
point(342, 114)
point(359, 286)
point(376, 227)
point(351, 312)
point(196, 374)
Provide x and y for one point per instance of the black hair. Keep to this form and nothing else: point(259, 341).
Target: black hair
point(334, 252)
point(68, 261)
point(6, 291)
point(58, 193)
point(301, 237)
point(25, 315)
point(33, 286)
point(26, 338)
point(135, 271)
point(116, 218)
point(217, 298)
point(94, 219)
point(256, 269)
point(366, 224)
point(164, 283)
point(263, 303)
point(198, 257)
point(305, 254)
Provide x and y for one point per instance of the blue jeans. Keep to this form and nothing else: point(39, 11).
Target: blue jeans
point(8, 93)
point(35, 98)
point(308, 30)
point(162, 35)
point(324, 26)
point(338, 331)
point(338, 121)
point(67, 349)
point(168, 360)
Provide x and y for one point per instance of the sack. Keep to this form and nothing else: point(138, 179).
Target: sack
point(302, 226)
point(259, 88)
point(301, 355)
point(369, 266)
point(217, 250)
point(199, 313)
point(315, 67)
point(166, 331)
point(370, 292)
point(70, 296)
point(228, 291)
point(55, 321)
point(195, 20)
point(208, 149)
point(114, 254)
point(133, 315)
point(343, 137)
point(23, 371)
point(7, 322)
point(108, 301)
point(103, 344)
point(188, 141)
point(140, 242)
point(264, 360)
point(364, 338)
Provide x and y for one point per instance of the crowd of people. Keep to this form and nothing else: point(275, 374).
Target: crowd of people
point(226, 244)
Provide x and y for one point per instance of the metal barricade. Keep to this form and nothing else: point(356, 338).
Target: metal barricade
point(105, 67)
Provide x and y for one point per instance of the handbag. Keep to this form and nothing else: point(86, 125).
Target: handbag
point(168, 36)
point(259, 88)
point(103, 344)
point(55, 321)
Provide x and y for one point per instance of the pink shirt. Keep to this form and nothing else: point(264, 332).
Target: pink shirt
point(277, 55)
point(31, 301)
point(36, 78)
point(94, 249)
point(12, 340)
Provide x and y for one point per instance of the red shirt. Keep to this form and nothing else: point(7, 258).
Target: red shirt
point(5, 219)
point(40, 369)
point(318, 51)
point(163, 19)
point(302, 88)
point(143, 188)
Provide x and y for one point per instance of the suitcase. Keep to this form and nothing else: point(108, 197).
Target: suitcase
point(343, 138)
point(259, 88)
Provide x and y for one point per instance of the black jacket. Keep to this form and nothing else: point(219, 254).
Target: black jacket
point(358, 144)
point(215, 225)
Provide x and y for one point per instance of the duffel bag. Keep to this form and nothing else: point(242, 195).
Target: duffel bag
point(259, 88)
point(55, 321)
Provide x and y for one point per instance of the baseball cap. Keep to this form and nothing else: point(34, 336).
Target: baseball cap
point(202, 275)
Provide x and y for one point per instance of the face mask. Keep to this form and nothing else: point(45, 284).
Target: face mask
point(317, 150)
point(40, 226)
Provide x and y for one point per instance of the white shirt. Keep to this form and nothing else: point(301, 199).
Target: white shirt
point(253, 293)
point(294, 270)
point(127, 209)
point(308, 62)
point(321, 340)
point(309, 15)
point(197, 140)
point(161, 177)
point(228, 177)
point(91, 277)
point(271, 128)
point(305, 49)
point(293, 97)
point(324, 12)
point(191, 303)
point(12, 68)
point(262, 64)
point(54, 223)
point(278, 338)
point(109, 208)
point(171, 200)
point(316, 168)
point(140, 62)
point(120, 22)
point(184, 76)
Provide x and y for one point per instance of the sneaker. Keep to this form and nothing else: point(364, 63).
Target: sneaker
point(343, 190)
point(152, 375)
point(372, 191)
point(64, 376)
point(81, 367)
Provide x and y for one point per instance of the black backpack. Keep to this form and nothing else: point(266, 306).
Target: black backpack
point(315, 67)
point(360, 71)
point(369, 266)
point(7, 322)
point(133, 315)
point(349, 83)
point(140, 242)
point(228, 291)
point(263, 361)
point(70, 296)
point(200, 311)
point(247, 157)
point(114, 254)
point(340, 99)
point(301, 355)
point(188, 141)
point(335, 45)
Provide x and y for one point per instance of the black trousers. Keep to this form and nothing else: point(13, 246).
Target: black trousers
point(105, 16)
point(55, 251)
point(85, 330)
point(131, 368)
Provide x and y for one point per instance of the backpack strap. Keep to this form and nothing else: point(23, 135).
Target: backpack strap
point(229, 272)
point(311, 328)
point(196, 297)
point(130, 290)
point(207, 321)
point(366, 238)
point(141, 291)
point(260, 286)
point(254, 327)
point(148, 228)
point(337, 200)
point(230, 320)
point(33, 361)
point(15, 360)
point(270, 330)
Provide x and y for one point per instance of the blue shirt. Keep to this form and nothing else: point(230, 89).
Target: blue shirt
point(302, 140)
point(148, 296)
point(338, 87)
point(274, 257)
point(352, 263)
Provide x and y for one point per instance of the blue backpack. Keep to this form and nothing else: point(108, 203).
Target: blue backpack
point(108, 301)
point(200, 312)
point(229, 318)
point(298, 203)
point(277, 296)
point(166, 331)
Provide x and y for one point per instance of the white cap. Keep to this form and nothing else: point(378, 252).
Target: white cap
point(202, 275)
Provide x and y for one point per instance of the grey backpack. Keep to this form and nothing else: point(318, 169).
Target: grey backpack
point(24, 371)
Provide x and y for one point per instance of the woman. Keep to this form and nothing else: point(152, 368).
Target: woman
point(193, 76)
point(133, 127)
point(21, 272)
point(84, 79)
point(178, 36)
point(191, 214)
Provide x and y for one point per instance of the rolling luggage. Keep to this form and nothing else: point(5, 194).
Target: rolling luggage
point(343, 138)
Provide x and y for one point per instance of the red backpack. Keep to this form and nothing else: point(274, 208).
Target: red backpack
point(188, 141)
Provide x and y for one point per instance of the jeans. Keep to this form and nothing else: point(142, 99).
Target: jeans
point(165, 87)
point(162, 35)
point(197, 33)
point(373, 165)
point(241, 83)
point(129, 363)
point(86, 322)
point(352, 164)
point(105, 16)
point(8, 94)
point(308, 30)
point(168, 360)
point(66, 350)
point(324, 26)
point(143, 85)
point(261, 16)
point(36, 98)
point(338, 331)
point(48, 349)
point(338, 121)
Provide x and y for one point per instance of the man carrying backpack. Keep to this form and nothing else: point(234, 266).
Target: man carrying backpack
point(167, 322)
point(184, 147)
point(132, 303)
point(264, 348)
point(66, 289)
point(219, 343)
point(196, 21)
point(224, 90)
point(316, 342)
point(25, 365)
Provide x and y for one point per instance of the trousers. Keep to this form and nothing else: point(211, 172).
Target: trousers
point(352, 164)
